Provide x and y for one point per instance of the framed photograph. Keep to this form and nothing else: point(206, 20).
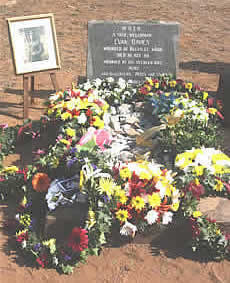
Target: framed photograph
point(34, 43)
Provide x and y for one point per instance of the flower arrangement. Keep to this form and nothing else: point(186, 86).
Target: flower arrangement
point(147, 196)
point(112, 91)
point(85, 108)
point(204, 172)
point(136, 195)
point(191, 126)
point(94, 184)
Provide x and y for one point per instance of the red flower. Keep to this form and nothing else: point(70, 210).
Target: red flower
point(22, 237)
point(143, 90)
point(89, 112)
point(24, 172)
point(42, 260)
point(23, 129)
point(78, 240)
point(196, 190)
point(75, 93)
point(76, 113)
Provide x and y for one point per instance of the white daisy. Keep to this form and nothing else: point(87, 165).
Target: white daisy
point(82, 118)
point(151, 217)
point(167, 217)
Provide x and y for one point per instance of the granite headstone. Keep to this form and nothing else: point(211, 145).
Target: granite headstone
point(131, 50)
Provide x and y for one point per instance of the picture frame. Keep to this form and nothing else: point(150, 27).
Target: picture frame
point(34, 43)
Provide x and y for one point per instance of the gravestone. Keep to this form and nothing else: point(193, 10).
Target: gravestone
point(131, 50)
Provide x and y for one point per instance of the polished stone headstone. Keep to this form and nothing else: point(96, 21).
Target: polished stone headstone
point(131, 50)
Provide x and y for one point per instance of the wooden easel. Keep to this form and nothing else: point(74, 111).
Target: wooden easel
point(28, 91)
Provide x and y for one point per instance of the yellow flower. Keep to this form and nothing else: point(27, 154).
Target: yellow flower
point(150, 81)
point(25, 220)
point(219, 156)
point(64, 141)
point(21, 232)
point(186, 95)
point(169, 189)
point(219, 186)
point(196, 214)
point(10, 169)
point(105, 106)
point(122, 215)
point(175, 206)
point(98, 122)
point(205, 95)
point(121, 196)
point(172, 83)
point(148, 87)
point(199, 170)
point(218, 232)
point(125, 173)
point(51, 244)
point(212, 111)
point(24, 201)
point(138, 203)
point(70, 132)
point(188, 86)
point(219, 169)
point(66, 116)
point(156, 85)
point(91, 219)
point(59, 105)
point(81, 182)
point(145, 175)
point(197, 182)
point(154, 200)
point(106, 186)
point(50, 111)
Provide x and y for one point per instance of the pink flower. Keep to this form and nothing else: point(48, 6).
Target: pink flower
point(102, 137)
point(3, 126)
point(87, 137)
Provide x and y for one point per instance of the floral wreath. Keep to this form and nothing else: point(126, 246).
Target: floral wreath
point(204, 172)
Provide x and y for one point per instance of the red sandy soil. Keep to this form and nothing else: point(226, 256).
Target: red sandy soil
point(204, 50)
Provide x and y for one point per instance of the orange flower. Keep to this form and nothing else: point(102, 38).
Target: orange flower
point(41, 182)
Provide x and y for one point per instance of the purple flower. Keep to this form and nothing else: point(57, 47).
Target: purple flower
point(67, 257)
point(94, 166)
point(28, 204)
point(106, 199)
point(73, 150)
point(37, 247)
point(70, 162)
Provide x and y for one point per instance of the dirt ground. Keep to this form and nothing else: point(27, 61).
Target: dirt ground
point(204, 53)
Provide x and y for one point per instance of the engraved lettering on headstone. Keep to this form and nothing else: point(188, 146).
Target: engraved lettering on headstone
point(132, 50)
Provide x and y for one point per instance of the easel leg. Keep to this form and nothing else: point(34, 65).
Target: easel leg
point(54, 81)
point(26, 98)
point(32, 90)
